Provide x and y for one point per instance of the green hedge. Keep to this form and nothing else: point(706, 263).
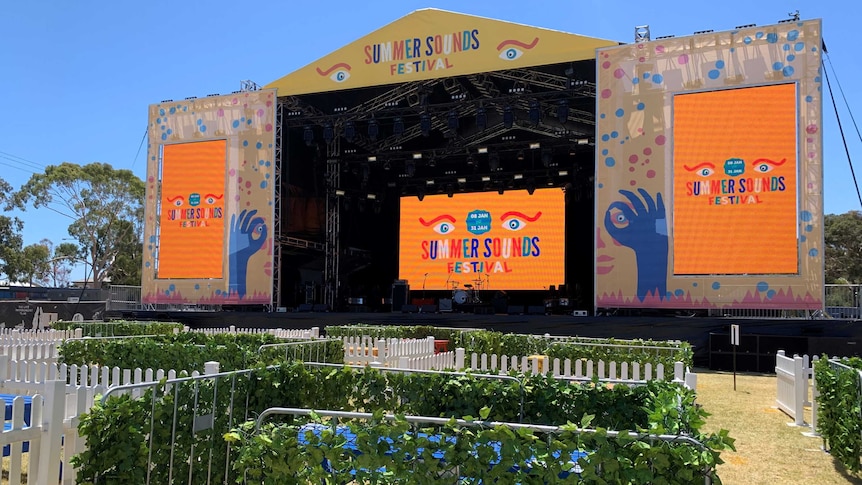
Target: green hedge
point(839, 409)
point(119, 328)
point(116, 433)
point(190, 350)
point(491, 342)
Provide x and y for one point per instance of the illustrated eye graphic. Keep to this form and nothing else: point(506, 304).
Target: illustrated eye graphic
point(338, 73)
point(444, 228)
point(763, 165)
point(177, 201)
point(619, 219)
point(511, 54)
point(514, 224)
point(212, 198)
point(509, 49)
point(442, 224)
point(515, 221)
point(703, 169)
point(340, 76)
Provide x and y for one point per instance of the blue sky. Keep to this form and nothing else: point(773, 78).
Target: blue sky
point(78, 76)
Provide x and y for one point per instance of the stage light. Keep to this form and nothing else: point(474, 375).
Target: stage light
point(535, 146)
point(420, 193)
point(417, 156)
point(450, 191)
point(372, 196)
point(372, 158)
point(377, 207)
point(432, 162)
point(470, 161)
point(535, 112)
point(563, 110)
point(361, 204)
point(520, 154)
point(425, 124)
point(452, 120)
point(482, 150)
point(462, 180)
point(339, 193)
point(501, 187)
point(494, 162)
point(308, 136)
point(366, 172)
point(531, 186)
point(387, 165)
point(508, 117)
point(429, 182)
point(481, 118)
point(519, 176)
point(547, 157)
point(398, 127)
point(328, 133)
point(583, 141)
point(410, 168)
point(486, 178)
point(373, 129)
point(349, 131)
point(563, 173)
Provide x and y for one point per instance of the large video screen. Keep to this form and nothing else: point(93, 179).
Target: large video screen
point(490, 241)
point(191, 218)
point(735, 181)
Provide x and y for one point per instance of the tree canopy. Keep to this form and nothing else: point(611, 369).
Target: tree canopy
point(104, 206)
point(843, 243)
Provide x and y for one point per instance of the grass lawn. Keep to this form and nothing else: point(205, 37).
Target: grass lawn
point(768, 450)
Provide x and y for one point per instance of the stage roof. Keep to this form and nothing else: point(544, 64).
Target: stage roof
point(432, 44)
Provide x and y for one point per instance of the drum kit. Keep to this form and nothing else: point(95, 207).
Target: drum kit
point(468, 295)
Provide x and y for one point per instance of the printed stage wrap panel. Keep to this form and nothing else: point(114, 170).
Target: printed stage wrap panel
point(709, 171)
point(209, 210)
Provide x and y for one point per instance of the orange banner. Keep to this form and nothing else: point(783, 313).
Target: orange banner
point(735, 189)
point(191, 222)
point(489, 241)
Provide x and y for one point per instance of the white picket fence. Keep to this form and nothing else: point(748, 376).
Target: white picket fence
point(796, 387)
point(632, 372)
point(312, 333)
point(365, 350)
point(66, 392)
point(12, 336)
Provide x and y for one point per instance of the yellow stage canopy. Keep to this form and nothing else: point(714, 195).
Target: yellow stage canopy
point(431, 44)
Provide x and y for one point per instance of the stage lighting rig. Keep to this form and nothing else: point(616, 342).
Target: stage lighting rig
point(373, 129)
point(308, 136)
point(425, 123)
point(398, 127)
point(481, 118)
point(535, 112)
point(328, 133)
point(452, 120)
point(563, 110)
point(350, 131)
point(508, 117)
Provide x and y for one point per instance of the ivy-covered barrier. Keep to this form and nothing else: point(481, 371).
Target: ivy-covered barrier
point(378, 450)
point(190, 350)
point(119, 328)
point(131, 440)
point(491, 342)
point(839, 408)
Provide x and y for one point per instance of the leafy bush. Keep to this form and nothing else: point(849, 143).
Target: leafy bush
point(119, 328)
point(189, 351)
point(839, 409)
point(126, 431)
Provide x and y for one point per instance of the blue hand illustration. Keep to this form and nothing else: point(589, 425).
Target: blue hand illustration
point(643, 228)
point(247, 235)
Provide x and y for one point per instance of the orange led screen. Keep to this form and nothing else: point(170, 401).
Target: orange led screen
point(491, 241)
point(734, 182)
point(191, 223)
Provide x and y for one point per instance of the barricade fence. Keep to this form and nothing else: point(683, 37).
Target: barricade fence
point(796, 388)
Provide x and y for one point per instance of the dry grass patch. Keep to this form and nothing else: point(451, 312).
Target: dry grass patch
point(768, 451)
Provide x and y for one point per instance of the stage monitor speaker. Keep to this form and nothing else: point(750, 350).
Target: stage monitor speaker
point(579, 313)
point(515, 309)
point(536, 310)
point(428, 308)
point(409, 308)
point(445, 304)
point(400, 295)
